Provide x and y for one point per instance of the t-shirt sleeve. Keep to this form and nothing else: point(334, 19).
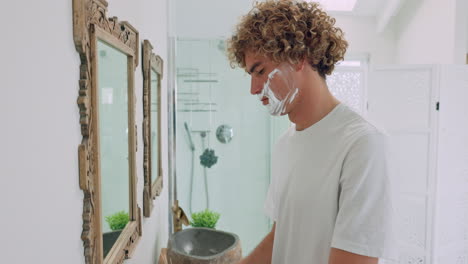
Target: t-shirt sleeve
point(271, 204)
point(365, 220)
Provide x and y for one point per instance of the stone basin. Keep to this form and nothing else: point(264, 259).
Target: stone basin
point(203, 246)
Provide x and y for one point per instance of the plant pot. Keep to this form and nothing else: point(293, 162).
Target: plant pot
point(108, 240)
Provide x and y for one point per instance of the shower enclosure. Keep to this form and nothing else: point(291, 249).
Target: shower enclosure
point(229, 175)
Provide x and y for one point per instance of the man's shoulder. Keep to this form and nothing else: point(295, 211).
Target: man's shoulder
point(355, 126)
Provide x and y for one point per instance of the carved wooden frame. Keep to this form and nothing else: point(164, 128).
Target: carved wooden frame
point(151, 188)
point(90, 23)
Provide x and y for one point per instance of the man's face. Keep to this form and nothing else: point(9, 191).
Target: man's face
point(272, 82)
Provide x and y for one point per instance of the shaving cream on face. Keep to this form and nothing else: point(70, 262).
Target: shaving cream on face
point(279, 89)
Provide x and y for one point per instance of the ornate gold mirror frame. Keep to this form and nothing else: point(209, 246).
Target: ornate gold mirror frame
point(153, 187)
point(90, 24)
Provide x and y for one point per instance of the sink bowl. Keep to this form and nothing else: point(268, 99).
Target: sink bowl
point(203, 246)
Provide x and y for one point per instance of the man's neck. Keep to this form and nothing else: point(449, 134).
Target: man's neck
point(314, 102)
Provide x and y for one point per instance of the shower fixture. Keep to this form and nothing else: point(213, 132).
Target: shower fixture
point(192, 148)
point(193, 72)
point(196, 111)
point(207, 159)
point(200, 104)
point(224, 133)
point(191, 145)
point(201, 81)
point(188, 93)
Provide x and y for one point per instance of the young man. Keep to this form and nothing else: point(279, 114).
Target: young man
point(330, 194)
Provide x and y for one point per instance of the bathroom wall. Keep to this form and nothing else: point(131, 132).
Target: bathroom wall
point(466, 38)
point(461, 32)
point(361, 33)
point(40, 197)
point(431, 31)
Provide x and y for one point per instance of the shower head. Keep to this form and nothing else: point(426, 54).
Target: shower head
point(191, 145)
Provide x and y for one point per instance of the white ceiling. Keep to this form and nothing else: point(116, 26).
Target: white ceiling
point(383, 11)
point(369, 7)
point(338, 5)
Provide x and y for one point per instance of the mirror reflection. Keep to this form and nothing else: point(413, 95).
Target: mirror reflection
point(154, 125)
point(113, 141)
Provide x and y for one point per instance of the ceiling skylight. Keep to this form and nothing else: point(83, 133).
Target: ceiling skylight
point(336, 5)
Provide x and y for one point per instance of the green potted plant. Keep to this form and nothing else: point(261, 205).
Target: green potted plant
point(116, 222)
point(205, 218)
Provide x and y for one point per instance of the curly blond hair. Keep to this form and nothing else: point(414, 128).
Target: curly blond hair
point(289, 31)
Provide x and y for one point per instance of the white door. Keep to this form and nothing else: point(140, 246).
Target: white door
point(402, 100)
point(451, 222)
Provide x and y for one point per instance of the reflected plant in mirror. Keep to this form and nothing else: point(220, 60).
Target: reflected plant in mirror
point(117, 221)
point(113, 136)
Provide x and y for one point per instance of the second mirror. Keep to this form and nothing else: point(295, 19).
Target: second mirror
point(152, 75)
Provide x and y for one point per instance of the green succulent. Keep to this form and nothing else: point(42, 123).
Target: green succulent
point(118, 220)
point(205, 218)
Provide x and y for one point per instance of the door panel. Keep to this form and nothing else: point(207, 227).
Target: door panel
point(401, 101)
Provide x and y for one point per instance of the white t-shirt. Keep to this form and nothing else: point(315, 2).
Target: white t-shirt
point(330, 188)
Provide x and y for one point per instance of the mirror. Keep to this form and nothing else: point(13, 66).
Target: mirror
point(108, 52)
point(155, 117)
point(152, 75)
point(113, 140)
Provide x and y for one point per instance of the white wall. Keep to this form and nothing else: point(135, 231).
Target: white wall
point(461, 32)
point(431, 32)
point(466, 37)
point(40, 196)
point(361, 34)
